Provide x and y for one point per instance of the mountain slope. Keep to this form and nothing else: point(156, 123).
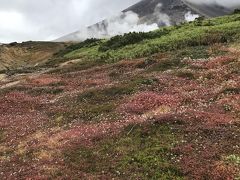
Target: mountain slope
point(160, 12)
point(209, 10)
point(148, 12)
point(175, 9)
point(156, 105)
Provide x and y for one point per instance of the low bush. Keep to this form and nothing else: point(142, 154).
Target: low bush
point(87, 43)
point(131, 38)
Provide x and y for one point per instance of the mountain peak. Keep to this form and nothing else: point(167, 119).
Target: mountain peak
point(147, 15)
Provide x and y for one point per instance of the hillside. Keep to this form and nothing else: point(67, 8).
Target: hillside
point(14, 55)
point(149, 12)
point(209, 10)
point(158, 105)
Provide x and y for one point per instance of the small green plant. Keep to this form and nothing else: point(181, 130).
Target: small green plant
point(166, 64)
point(231, 91)
point(199, 21)
point(41, 91)
point(227, 107)
point(235, 159)
point(1, 135)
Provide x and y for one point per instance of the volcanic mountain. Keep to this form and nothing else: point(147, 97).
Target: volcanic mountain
point(147, 15)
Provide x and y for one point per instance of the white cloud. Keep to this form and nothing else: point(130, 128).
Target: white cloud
point(189, 16)
point(22, 20)
point(226, 3)
point(10, 20)
point(13, 25)
point(120, 24)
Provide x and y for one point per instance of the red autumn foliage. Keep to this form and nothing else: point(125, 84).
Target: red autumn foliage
point(223, 171)
point(146, 101)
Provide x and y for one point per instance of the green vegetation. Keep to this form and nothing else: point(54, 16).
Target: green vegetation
point(166, 64)
point(34, 92)
point(11, 89)
point(59, 57)
point(231, 91)
point(42, 91)
point(86, 43)
point(154, 117)
point(148, 81)
point(1, 135)
point(119, 41)
point(234, 159)
point(199, 33)
point(182, 40)
point(106, 95)
point(22, 70)
point(140, 152)
point(94, 105)
point(99, 104)
point(236, 11)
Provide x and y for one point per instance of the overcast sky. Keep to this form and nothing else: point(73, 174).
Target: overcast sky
point(22, 20)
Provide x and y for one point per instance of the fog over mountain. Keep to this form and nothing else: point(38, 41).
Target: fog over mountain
point(23, 20)
point(231, 4)
point(148, 15)
point(213, 8)
point(144, 16)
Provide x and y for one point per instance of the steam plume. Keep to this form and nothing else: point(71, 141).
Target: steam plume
point(189, 16)
point(123, 22)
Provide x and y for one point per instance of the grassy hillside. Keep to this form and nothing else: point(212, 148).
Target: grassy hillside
point(134, 45)
point(158, 105)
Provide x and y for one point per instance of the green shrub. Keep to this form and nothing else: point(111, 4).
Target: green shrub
point(87, 43)
point(235, 159)
point(166, 64)
point(236, 11)
point(199, 21)
point(131, 38)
